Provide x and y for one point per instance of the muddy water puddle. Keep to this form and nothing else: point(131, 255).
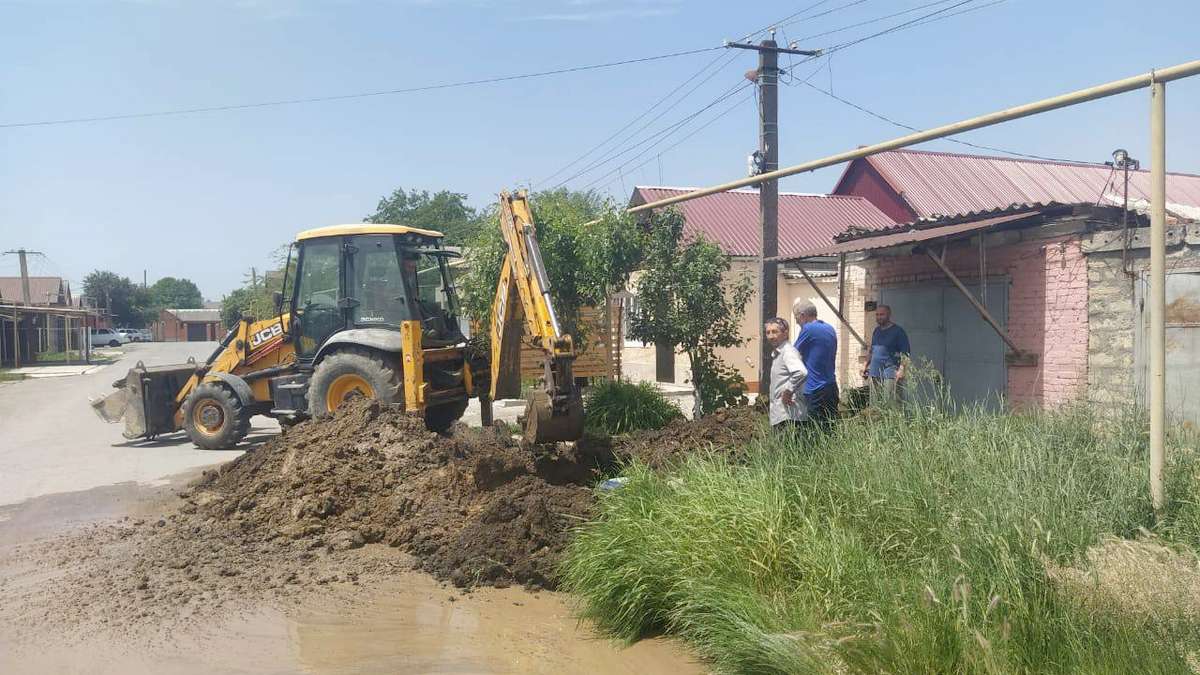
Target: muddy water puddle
point(408, 625)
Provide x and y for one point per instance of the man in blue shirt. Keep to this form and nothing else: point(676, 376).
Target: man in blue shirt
point(886, 353)
point(817, 344)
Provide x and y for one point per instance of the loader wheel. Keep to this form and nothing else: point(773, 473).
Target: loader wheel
point(348, 373)
point(214, 418)
point(439, 417)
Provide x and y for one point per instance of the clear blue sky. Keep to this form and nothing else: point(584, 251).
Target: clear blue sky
point(208, 195)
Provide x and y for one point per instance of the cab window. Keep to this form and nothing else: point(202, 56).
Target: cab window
point(378, 283)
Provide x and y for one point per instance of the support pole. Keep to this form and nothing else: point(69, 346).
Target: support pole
point(835, 309)
point(1158, 289)
point(768, 199)
point(16, 339)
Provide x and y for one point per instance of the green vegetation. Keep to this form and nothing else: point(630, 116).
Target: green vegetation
point(687, 301)
point(132, 305)
point(444, 211)
point(75, 355)
point(916, 541)
point(7, 376)
point(585, 263)
point(614, 407)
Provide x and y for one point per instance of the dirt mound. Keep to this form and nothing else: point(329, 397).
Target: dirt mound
point(304, 509)
point(726, 430)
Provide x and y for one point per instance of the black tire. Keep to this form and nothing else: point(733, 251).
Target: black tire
point(214, 418)
point(367, 365)
point(439, 418)
point(114, 343)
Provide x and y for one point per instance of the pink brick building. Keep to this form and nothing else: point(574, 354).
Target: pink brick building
point(1063, 271)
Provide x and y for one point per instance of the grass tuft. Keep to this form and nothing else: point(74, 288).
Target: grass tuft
point(919, 541)
point(615, 407)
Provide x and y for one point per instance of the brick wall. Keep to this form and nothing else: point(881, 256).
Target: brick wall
point(1047, 306)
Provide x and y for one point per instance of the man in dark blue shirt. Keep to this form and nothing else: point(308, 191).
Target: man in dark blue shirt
point(817, 344)
point(886, 353)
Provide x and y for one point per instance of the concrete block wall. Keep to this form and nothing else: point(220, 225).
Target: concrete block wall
point(1111, 319)
point(1047, 306)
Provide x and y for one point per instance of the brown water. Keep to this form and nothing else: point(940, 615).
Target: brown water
point(408, 624)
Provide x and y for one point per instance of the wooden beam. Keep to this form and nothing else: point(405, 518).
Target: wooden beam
point(987, 316)
point(832, 307)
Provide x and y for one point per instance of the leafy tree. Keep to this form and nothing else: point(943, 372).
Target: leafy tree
point(127, 303)
point(444, 211)
point(172, 293)
point(686, 301)
point(585, 262)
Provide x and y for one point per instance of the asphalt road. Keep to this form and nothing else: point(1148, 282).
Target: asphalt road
point(51, 441)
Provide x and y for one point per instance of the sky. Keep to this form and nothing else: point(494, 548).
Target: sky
point(208, 195)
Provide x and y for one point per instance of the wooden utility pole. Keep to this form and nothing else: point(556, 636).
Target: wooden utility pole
point(767, 77)
point(21, 255)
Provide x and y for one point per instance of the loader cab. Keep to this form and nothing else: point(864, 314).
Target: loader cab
point(371, 276)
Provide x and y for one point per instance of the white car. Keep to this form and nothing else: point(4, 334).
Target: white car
point(107, 337)
point(130, 334)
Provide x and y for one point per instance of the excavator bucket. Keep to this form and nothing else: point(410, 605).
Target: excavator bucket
point(544, 424)
point(144, 399)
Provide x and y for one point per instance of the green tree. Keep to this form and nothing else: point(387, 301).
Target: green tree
point(685, 300)
point(444, 211)
point(127, 303)
point(172, 293)
point(585, 262)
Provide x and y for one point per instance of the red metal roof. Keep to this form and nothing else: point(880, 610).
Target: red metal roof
point(911, 234)
point(941, 183)
point(730, 219)
point(42, 290)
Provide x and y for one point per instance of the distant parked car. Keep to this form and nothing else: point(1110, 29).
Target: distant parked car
point(130, 334)
point(146, 334)
point(107, 337)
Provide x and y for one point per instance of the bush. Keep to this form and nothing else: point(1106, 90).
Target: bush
point(618, 407)
point(919, 542)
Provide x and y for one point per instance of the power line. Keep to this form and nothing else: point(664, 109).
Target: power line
point(343, 97)
point(885, 118)
point(875, 20)
point(656, 134)
point(644, 113)
point(686, 137)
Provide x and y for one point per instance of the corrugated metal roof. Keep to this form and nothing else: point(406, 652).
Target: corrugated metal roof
point(806, 221)
point(941, 183)
point(196, 315)
point(42, 290)
point(913, 233)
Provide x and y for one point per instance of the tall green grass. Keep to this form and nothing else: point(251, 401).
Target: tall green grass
point(913, 543)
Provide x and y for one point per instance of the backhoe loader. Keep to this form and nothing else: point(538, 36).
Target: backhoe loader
point(369, 310)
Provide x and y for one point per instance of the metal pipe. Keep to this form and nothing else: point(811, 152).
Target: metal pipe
point(1081, 96)
point(1158, 289)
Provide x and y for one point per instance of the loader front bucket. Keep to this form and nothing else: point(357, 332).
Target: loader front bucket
point(145, 400)
point(544, 424)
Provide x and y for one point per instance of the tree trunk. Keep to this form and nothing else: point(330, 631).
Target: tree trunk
point(697, 412)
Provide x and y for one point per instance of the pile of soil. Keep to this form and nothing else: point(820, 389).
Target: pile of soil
point(726, 430)
point(331, 501)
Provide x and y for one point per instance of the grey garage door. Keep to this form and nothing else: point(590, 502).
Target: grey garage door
point(197, 332)
point(946, 331)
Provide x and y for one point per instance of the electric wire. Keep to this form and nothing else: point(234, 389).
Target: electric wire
point(693, 132)
point(616, 153)
point(893, 122)
point(343, 97)
point(641, 116)
point(875, 20)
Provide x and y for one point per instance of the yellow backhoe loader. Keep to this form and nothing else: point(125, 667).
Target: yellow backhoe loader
point(368, 310)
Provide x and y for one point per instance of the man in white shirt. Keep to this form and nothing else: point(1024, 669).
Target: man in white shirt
point(787, 378)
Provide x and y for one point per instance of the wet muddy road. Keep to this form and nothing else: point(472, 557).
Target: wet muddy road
point(409, 623)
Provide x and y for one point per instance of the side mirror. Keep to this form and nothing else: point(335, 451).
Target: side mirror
point(277, 298)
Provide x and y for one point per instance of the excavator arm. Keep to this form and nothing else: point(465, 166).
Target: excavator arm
point(554, 409)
